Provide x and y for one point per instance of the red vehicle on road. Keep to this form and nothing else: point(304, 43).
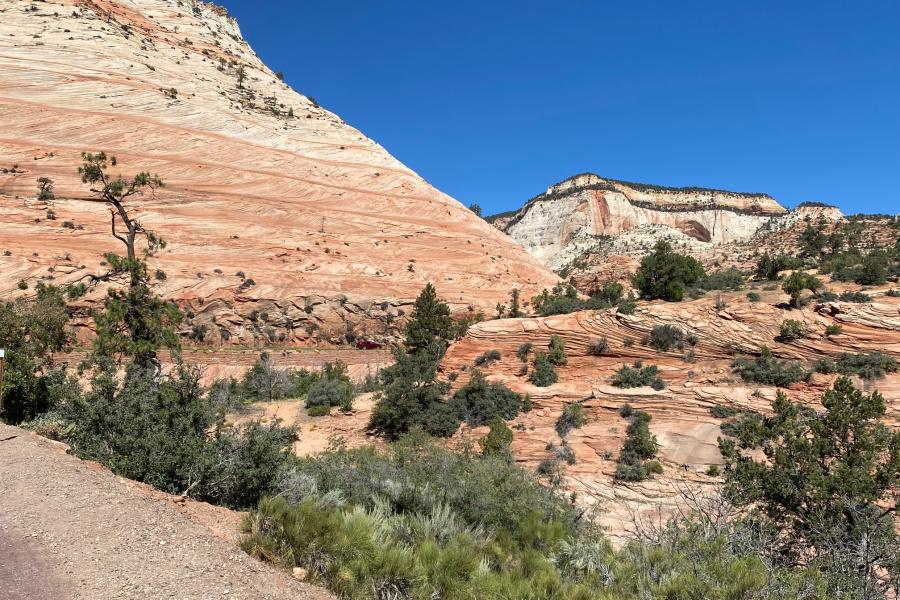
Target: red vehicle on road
point(367, 345)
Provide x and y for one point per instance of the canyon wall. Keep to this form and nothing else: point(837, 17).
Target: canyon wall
point(572, 217)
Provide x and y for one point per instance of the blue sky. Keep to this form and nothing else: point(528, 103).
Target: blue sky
point(494, 101)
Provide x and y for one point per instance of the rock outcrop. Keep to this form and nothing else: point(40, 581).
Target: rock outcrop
point(573, 217)
point(700, 384)
point(283, 222)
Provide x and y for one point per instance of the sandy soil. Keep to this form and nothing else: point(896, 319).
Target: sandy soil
point(72, 530)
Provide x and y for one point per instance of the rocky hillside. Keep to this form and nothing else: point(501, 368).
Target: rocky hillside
point(574, 216)
point(283, 222)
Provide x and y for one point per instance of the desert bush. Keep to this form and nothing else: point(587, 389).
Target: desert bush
point(157, 430)
point(791, 329)
point(330, 392)
point(412, 397)
point(721, 411)
point(893, 293)
point(768, 370)
point(557, 351)
point(874, 365)
point(626, 306)
point(833, 329)
point(753, 297)
point(599, 347)
point(266, 382)
point(523, 351)
point(666, 274)
point(572, 417)
point(834, 491)
point(487, 358)
point(768, 267)
point(664, 337)
point(633, 463)
point(857, 297)
point(479, 402)
point(31, 330)
point(636, 376)
point(543, 373)
point(730, 279)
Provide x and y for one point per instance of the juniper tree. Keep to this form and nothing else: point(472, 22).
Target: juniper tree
point(829, 480)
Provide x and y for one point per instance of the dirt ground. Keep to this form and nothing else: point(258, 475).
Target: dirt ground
point(315, 434)
point(72, 530)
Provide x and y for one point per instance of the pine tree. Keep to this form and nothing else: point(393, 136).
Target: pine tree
point(430, 321)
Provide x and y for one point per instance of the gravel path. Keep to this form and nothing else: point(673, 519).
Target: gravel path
point(71, 530)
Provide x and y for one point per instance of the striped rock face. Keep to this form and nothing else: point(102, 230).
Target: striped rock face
point(259, 179)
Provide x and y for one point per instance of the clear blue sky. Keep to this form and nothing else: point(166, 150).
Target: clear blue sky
point(494, 101)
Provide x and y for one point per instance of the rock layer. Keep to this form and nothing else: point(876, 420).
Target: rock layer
point(262, 184)
point(572, 217)
point(698, 378)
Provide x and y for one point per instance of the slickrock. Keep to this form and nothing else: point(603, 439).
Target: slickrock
point(695, 384)
point(283, 222)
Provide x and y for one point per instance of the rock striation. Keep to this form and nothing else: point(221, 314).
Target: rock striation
point(283, 222)
point(573, 217)
point(700, 383)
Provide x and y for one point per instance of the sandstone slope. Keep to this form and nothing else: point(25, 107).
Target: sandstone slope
point(262, 184)
point(696, 383)
point(572, 217)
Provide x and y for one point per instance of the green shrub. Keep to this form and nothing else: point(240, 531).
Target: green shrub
point(833, 329)
point(893, 293)
point(572, 417)
point(480, 402)
point(791, 329)
point(31, 331)
point(626, 306)
point(330, 392)
point(523, 351)
point(157, 430)
point(868, 366)
point(712, 470)
point(857, 297)
point(730, 279)
point(557, 351)
point(633, 463)
point(636, 376)
point(768, 370)
point(665, 274)
point(484, 360)
point(266, 382)
point(768, 267)
point(664, 337)
point(824, 365)
point(721, 411)
point(543, 373)
point(319, 410)
point(498, 440)
point(527, 405)
point(753, 297)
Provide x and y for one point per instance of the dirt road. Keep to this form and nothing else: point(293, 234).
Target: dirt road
point(71, 530)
